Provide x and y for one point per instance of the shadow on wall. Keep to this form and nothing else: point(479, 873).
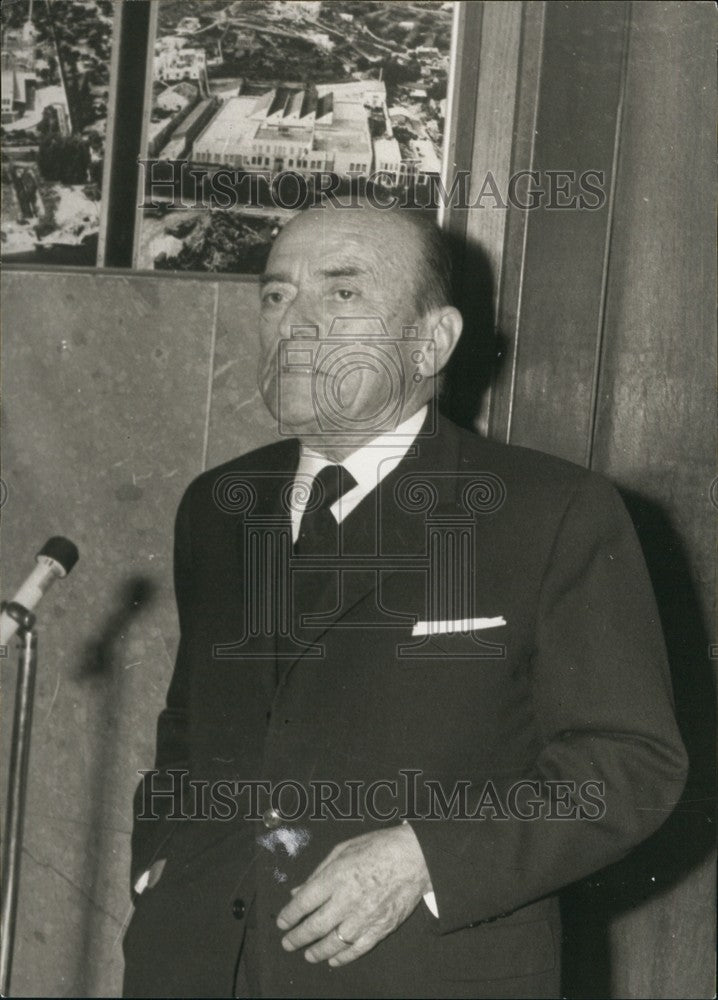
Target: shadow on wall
point(688, 836)
point(101, 670)
point(477, 358)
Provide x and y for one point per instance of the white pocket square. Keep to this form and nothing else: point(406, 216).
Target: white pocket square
point(458, 625)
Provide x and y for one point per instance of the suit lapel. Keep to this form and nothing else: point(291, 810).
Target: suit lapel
point(383, 542)
point(264, 545)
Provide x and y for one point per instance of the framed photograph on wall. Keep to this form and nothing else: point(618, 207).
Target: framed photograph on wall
point(255, 106)
point(56, 103)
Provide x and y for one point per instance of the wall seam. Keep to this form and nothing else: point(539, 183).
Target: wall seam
point(603, 298)
point(524, 242)
point(210, 377)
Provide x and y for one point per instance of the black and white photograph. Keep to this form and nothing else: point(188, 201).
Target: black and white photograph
point(55, 95)
point(358, 499)
point(277, 91)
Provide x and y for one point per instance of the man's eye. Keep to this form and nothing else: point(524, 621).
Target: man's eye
point(272, 298)
point(345, 294)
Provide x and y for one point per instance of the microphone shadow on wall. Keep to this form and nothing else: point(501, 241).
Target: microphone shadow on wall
point(102, 670)
point(688, 836)
point(482, 347)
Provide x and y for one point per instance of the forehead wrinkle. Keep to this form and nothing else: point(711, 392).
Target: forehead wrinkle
point(339, 271)
point(362, 254)
point(280, 277)
point(382, 248)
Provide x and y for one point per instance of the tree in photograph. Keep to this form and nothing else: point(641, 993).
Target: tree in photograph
point(64, 158)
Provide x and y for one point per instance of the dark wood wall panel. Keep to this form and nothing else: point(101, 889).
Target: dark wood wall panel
point(563, 258)
point(490, 173)
point(507, 322)
point(655, 435)
point(605, 354)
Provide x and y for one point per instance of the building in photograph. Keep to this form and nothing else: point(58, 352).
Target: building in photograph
point(19, 78)
point(297, 9)
point(24, 102)
point(388, 158)
point(322, 128)
point(371, 93)
point(420, 158)
point(175, 64)
point(188, 26)
point(179, 140)
point(19, 87)
point(169, 42)
point(177, 97)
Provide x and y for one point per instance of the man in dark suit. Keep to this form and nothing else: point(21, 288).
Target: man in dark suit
point(421, 684)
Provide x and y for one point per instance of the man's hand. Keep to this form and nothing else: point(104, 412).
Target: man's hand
point(358, 895)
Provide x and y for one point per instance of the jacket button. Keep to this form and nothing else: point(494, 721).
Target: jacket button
point(238, 909)
point(271, 819)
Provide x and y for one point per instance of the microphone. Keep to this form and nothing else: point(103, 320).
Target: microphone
point(54, 561)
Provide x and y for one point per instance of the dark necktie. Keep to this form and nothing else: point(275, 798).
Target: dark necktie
point(318, 530)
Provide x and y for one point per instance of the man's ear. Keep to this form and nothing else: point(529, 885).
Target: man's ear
point(443, 326)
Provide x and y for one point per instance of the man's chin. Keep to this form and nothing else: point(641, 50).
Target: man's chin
point(298, 427)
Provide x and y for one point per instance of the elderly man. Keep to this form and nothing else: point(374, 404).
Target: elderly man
point(420, 684)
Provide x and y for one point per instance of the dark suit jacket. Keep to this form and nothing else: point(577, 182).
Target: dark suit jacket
point(574, 687)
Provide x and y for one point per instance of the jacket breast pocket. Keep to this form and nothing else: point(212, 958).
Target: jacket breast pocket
point(460, 648)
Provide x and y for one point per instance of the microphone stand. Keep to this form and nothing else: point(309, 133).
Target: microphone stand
point(17, 785)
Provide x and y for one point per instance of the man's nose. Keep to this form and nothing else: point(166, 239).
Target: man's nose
point(299, 319)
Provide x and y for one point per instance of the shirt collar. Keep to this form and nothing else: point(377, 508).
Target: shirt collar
point(373, 461)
